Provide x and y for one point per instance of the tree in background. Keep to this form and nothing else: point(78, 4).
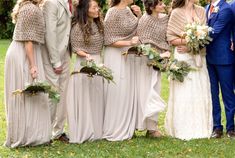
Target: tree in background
point(139, 3)
point(6, 25)
point(104, 5)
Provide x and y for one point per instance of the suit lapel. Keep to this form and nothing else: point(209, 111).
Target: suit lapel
point(214, 15)
point(65, 7)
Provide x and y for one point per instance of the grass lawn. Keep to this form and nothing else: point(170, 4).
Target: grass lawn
point(137, 147)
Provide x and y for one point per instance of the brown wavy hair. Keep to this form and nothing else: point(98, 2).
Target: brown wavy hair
point(149, 4)
point(178, 3)
point(114, 2)
point(81, 17)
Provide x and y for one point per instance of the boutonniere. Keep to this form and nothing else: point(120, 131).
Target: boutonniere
point(215, 10)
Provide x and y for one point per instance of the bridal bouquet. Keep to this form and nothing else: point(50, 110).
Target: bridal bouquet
point(197, 36)
point(91, 68)
point(177, 70)
point(40, 87)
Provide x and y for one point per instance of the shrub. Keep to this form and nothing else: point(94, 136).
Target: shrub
point(6, 25)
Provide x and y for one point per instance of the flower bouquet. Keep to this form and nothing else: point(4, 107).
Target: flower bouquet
point(197, 36)
point(40, 87)
point(178, 70)
point(91, 68)
point(175, 70)
point(155, 59)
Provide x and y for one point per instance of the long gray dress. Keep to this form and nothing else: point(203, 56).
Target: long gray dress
point(85, 97)
point(148, 80)
point(120, 110)
point(28, 117)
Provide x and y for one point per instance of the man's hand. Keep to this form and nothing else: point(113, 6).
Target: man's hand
point(232, 46)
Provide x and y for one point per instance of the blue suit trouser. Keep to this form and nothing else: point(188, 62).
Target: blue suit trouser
point(222, 76)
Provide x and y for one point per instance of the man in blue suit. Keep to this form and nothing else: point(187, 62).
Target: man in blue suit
point(220, 63)
point(233, 33)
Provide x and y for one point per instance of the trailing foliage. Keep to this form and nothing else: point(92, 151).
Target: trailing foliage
point(175, 70)
point(91, 68)
point(40, 87)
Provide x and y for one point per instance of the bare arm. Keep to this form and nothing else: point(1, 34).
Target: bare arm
point(134, 41)
point(120, 44)
point(178, 42)
point(83, 54)
point(180, 45)
point(30, 56)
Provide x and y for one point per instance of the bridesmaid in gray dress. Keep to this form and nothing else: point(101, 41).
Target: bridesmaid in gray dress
point(120, 29)
point(148, 80)
point(28, 117)
point(85, 100)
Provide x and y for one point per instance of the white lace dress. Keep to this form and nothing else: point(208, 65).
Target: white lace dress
point(189, 113)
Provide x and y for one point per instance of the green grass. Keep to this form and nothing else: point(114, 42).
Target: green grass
point(137, 147)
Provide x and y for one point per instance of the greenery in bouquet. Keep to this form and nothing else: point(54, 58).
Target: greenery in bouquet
point(175, 70)
point(91, 68)
point(40, 87)
point(155, 60)
point(197, 36)
point(178, 70)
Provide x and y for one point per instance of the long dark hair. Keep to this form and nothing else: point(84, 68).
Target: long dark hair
point(148, 4)
point(114, 2)
point(81, 17)
point(178, 4)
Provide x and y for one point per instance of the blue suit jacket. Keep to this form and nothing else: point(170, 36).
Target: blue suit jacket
point(218, 51)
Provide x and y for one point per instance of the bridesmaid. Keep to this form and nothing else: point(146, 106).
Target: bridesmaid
point(148, 80)
point(120, 29)
point(85, 98)
point(189, 113)
point(28, 117)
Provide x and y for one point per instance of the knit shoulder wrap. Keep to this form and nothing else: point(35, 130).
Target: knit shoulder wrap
point(119, 24)
point(95, 45)
point(153, 30)
point(30, 25)
point(177, 22)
